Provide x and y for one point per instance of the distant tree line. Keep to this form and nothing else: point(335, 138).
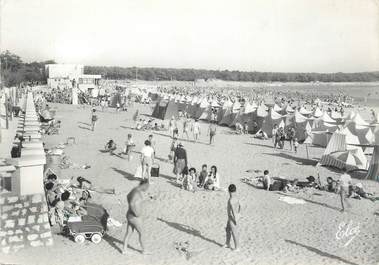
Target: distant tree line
point(14, 71)
point(194, 74)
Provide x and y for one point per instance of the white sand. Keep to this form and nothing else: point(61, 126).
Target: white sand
point(272, 231)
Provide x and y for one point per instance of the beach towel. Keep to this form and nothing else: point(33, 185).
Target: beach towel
point(291, 200)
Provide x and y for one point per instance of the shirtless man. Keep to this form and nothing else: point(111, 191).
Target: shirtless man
point(234, 213)
point(134, 215)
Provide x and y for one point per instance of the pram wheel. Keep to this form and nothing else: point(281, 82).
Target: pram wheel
point(96, 238)
point(79, 239)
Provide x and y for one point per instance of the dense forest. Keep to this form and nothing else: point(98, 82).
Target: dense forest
point(14, 71)
point(194, 74)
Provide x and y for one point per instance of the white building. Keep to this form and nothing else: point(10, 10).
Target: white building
point(67, 75)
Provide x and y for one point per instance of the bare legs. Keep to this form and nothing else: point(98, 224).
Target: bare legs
point(134, 223)
point(231, 232)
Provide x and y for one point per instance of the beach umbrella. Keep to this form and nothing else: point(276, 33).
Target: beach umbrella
point(350, 159)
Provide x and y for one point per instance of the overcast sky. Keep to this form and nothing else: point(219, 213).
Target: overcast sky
point(261, 35)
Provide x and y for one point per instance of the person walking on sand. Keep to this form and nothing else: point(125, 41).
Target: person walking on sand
point(93, 119)
point(135, 117)
point(186, 127)
point(212, 132)
point(196, 130)
point(180, 161)
point(344, 185)
point(134, 216)
point(234, 214)
point(129, 146)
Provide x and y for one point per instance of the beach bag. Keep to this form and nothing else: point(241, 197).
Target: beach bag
point(154, 170)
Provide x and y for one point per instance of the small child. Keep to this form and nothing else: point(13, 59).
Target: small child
point(295, 144)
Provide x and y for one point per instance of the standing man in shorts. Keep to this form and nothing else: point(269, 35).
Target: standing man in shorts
point(212, 132)
point(196, 130)
point(344, 183)
point(93, 119)
point(234, 213)
point(134, 215)
point(147, 159)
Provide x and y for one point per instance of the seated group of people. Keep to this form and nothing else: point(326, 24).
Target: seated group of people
point(355, 191)
point(242, 129)
point(146, 125)
point(65, 201)
point(191, 180)
point(279, 184)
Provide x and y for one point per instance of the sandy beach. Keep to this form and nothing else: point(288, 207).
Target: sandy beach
point(272, 231)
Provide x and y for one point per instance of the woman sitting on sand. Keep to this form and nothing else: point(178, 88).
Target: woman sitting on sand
point(110, 147)
point(189, 179)
point(212, 182)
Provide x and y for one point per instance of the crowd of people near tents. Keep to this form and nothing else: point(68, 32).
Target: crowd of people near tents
point(345, 135)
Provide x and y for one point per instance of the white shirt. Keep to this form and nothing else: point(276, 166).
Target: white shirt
point(147, 151)
point(345, 180)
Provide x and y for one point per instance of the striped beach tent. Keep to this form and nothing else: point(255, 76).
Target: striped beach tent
point(373, 170)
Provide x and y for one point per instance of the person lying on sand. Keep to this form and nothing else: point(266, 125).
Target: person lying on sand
point(134, 215)
point(234, 213)
point(110, 147)
point(357, 192)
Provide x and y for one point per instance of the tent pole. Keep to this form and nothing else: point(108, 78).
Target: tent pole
point(306, 147)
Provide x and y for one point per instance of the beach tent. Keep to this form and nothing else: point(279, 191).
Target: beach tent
point(207, 114)
point(230, 114)
point(360, 128)
point(350, 139)
point(272, 118)
point(165, 110)
point(221, 112)
point(289, 109)
point(279, 109)
point(349, 159)
point(214, 104)
point(317, 113)
point(373, 169)
point(336, 116)
point(340, 154)
point(322, 135)
point(349, 116)
point(301, 124)
point(203, 106)
point(323, 127)
point(227, 117)
point(304, 111)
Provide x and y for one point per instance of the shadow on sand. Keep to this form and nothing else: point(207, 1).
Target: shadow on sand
point(313, 202)
point(84, 128)
point(126, 174)
point(261, 145)
point(112, 241)
point(299, 160)
point(320, 252)
point(84, 123)
point(189, 230)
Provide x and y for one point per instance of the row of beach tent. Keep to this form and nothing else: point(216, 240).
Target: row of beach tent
point(345, 137)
